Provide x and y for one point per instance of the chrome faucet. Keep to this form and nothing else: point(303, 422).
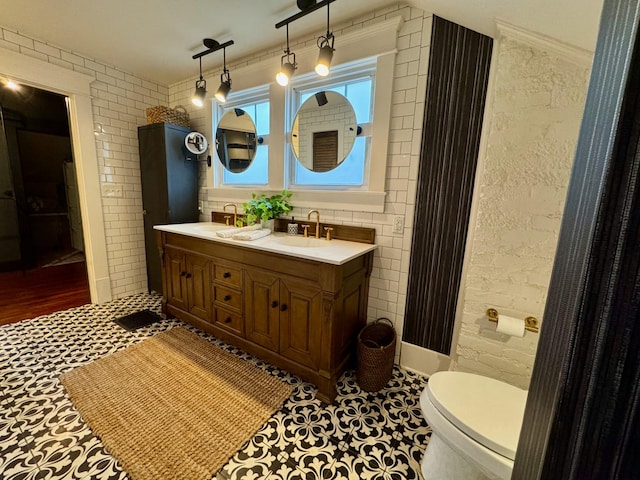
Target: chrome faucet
point(317, 221)
point(235, 212)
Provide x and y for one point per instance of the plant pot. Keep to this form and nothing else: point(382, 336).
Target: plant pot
point(269, 224)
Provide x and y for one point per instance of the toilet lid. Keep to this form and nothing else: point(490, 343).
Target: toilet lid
point(488, 410)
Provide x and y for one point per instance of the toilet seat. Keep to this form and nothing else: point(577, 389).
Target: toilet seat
point(452, 403)
point(488, 410)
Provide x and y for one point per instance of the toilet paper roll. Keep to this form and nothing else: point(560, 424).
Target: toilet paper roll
point(510, 326)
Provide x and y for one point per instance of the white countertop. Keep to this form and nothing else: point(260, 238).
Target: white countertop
point(336, 252)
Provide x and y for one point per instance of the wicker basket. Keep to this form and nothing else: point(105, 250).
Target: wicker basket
point(376, 349)
point(176, 116)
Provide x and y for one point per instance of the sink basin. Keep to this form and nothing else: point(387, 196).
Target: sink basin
point(302, 242)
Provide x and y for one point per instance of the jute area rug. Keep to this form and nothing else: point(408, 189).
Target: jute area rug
point(173, 406)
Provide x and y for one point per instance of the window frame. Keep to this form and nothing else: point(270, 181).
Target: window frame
point(376, 41)
point(340, 75)
point(254, 95)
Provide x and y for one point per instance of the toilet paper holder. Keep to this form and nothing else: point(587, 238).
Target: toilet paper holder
point(530, 323)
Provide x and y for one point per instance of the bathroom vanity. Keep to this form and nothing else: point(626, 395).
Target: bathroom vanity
point(295, 302)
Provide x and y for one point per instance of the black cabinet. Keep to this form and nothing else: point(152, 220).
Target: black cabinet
point(169, 187)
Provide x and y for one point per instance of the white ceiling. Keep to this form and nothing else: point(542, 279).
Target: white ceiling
point(155, 39)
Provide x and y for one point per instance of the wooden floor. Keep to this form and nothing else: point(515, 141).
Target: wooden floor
point(41, 291)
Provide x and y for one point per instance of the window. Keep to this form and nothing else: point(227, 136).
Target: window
point(367, 82)
point(352, 172)
point(257, 173)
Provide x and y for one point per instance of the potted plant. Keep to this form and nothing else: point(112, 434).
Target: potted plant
point(264, 209)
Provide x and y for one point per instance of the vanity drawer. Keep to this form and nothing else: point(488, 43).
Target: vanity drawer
point(227, 297)
point(228, 320)
point(227, 274)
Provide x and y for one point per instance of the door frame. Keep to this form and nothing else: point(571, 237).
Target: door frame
point(76, 87)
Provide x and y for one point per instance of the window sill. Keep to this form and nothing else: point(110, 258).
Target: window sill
point(326, 199)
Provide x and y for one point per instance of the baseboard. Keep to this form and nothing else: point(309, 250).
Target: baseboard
point(422, 360)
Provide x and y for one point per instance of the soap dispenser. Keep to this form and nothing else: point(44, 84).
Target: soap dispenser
point(292, 228)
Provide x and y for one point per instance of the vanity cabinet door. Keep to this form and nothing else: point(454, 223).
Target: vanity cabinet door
point(300, 321)
point(188, 282)
point(198, 285)
point(261, 297)
point(174, 265)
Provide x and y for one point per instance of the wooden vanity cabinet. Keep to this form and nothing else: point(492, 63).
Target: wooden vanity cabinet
point(300, 315)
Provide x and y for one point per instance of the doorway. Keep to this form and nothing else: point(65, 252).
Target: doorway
point(42, 257)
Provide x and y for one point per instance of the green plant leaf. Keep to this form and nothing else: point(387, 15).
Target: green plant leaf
point(261, 207)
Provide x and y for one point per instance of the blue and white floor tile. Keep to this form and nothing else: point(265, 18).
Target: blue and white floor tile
point(361, 435)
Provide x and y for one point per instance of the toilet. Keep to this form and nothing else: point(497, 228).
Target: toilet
point(476, 424)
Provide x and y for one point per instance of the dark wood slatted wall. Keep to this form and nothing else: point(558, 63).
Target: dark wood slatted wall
point(582, 420)
point(456, 90)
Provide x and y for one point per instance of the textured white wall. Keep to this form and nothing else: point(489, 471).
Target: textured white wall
point(534, 116)
point(387, 293)
point(119, 101)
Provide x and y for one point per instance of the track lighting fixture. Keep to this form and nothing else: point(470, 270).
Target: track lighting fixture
point(325, 43)
point(12, 85)
point(224, 88)
point(201, 89)
point(287, 65)
point(324, 56)
point(321, 98)
point(225, 81)
point(225, 78)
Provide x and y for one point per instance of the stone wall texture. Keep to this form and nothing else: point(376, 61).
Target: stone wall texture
point(534, 115)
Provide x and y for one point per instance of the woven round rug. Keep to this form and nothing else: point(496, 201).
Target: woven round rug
point(173, 406)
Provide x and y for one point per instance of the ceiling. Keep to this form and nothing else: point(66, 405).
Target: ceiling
point(156, 39)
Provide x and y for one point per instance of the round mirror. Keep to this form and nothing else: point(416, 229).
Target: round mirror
point(324, 131)
point(196, 143)
point(236, 140)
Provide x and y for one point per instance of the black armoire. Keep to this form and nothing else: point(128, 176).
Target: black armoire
point(169, 187)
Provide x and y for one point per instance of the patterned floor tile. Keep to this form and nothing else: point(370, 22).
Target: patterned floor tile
point(377, 435)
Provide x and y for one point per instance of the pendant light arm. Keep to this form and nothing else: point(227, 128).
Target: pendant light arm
point(288, 54)
point(329, 34)
point(287, 51)
point(225, 76)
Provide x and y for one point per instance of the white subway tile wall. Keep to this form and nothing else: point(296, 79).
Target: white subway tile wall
point(387, 293)
point(119, 101)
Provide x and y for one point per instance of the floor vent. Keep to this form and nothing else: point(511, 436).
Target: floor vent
point(137, 320)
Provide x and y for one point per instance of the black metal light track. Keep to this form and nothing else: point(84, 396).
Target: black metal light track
point(214, 46)
point(303, 13)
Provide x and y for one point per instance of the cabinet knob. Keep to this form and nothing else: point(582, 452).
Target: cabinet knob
point(226, 274)
point(182, 274)
point(274, 304)
point(227, 320)
point(283, 307)
point(227, 298)
point(187, 275)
